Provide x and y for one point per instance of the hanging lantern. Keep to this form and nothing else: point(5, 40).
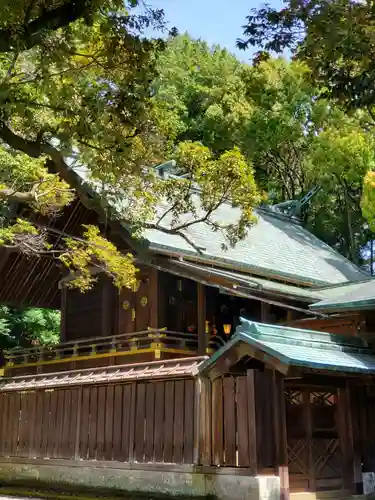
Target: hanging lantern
point(227, 329)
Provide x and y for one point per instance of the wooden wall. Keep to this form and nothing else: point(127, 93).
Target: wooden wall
point(160, 300)
point(89, 314)
point(138, 421)
point(350, 324)
point(247, 422)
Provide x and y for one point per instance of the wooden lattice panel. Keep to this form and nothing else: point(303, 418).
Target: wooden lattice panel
point(293, 397)
point(323, 398)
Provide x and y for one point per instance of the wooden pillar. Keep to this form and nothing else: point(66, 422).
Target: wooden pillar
point(153, 298)
point(352, 469)
point(283, 468)
point(265, 312)
point(107, 310)
point(252, 423)
point(201, 305)
point(309, 433)
point(354, 434)
point(205, 418)
point(63, 336)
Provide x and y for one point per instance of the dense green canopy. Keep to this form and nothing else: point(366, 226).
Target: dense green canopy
point(335, 40)
point(283, 124)
point(75, 81)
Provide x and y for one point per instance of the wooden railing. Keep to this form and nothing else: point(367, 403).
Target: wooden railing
point(157, 340)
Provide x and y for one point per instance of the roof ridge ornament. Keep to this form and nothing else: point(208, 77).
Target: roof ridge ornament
point(293, 208)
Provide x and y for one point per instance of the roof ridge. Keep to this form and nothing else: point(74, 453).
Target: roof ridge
point(312, 336)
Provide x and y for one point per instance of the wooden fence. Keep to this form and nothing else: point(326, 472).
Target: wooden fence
point(138, 421)
point(233, 421)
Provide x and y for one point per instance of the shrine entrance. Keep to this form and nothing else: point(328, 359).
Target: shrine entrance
point(313, 440)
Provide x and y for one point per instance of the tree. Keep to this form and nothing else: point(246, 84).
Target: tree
point(75, 83)
point(200, 93)
point(279, 120)
point(335, 40)
point(26, 327)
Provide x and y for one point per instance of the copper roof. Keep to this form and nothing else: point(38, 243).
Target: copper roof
point(154, 370)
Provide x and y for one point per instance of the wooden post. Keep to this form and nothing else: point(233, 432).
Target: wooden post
point(352, 474)
point(354, 436)
point(264, 312)
point(78, 427)
point(197, 421)
point(63, 333)
point(283, 468)
point(202, 335)
point(153, 298)
point(107, 310)
point(309, 429)
point(205, 416)
point(251, 418)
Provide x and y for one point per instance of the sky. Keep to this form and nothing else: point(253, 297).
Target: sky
point(215, 21)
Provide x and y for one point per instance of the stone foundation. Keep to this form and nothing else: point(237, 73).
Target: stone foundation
point(154, 480)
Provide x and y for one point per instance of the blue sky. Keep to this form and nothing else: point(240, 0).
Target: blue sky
point(215, 21)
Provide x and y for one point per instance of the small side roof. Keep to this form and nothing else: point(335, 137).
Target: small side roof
point(354, 296)
point(285, 347)
point(182, 367)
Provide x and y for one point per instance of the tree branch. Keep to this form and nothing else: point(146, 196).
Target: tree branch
point(35, 149)
point(17, 196)
point(175, 232)
point(33, 32)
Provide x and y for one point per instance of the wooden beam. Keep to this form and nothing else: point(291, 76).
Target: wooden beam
point(201, 313)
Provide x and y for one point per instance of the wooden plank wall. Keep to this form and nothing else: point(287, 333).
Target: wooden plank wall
point(138, 421)
point(246, 421)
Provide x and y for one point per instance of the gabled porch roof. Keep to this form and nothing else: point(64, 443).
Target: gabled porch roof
point(284, 347)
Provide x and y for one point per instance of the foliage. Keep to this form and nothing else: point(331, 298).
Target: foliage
point(335, 39)
point(100, 252)
point(76, 88)
point(30, 326)
point(226, 178)
point(200, 94)
point(280, 121)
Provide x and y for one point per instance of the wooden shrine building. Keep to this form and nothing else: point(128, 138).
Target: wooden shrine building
point(242, 374)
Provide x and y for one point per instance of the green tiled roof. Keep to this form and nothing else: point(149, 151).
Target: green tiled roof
point(302, 348)
point(275, 245)
point(356, 296)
